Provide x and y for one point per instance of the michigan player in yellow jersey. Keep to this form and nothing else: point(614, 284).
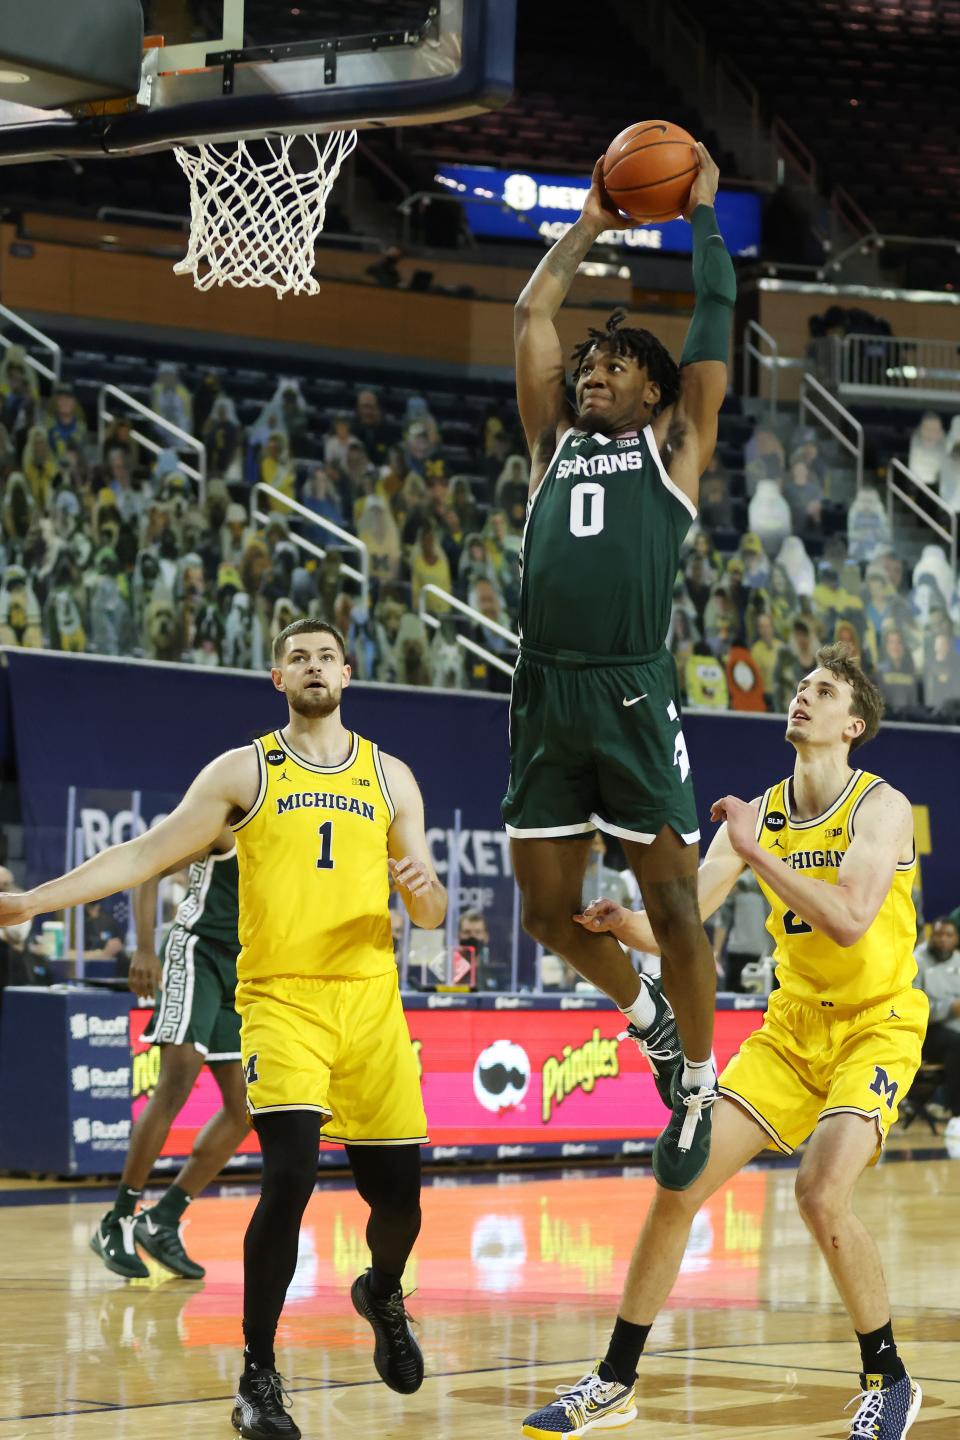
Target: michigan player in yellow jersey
point(833, 850)
point(322, 820)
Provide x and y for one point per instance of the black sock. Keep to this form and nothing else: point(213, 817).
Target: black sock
point(878, 1353)
point(263, 1361)
point(382, 1285)
point(625, 1348)
point(126, 1201)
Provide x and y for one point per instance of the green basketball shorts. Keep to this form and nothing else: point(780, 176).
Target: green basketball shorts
point(196, 1001)
point(598, 747)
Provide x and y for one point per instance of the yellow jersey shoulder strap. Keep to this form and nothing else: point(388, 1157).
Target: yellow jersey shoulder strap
point(772, 814)
point(382, 781)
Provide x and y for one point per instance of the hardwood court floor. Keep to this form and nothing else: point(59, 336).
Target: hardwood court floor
point(517, 1282)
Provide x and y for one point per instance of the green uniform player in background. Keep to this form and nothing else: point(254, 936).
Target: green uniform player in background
point(195, 1023)
point(596, 733)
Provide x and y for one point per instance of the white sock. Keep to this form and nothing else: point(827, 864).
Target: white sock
point(642, 1012)
point(699, 1074)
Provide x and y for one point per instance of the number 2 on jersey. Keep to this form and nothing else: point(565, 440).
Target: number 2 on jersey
point(794, 925)
point(326, 846)
point(586, 509)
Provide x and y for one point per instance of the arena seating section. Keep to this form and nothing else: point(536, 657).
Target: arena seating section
point(895, 148)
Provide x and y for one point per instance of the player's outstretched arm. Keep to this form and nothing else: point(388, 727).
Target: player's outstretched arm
point(845, 911)
point(225, 789)
point(145, 967)
point(715, 879)
point(411, 867)
point(703, 364)
point(541, 391)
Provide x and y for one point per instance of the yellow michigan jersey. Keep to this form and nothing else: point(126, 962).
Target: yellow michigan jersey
point(843, 1034)
point(322, 1026)
point(312, 850)
point(810, 966)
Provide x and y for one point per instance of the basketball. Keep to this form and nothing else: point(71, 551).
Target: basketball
point(649, 170)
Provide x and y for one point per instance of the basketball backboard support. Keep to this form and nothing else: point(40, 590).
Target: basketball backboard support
point(214, 70)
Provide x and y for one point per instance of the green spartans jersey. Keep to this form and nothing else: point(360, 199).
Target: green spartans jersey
point(211, 908)
point(601, 549)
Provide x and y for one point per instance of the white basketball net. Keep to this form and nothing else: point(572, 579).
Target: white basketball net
point(256, 221)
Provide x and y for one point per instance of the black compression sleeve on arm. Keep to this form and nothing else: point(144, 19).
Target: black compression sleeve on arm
point(715, 291)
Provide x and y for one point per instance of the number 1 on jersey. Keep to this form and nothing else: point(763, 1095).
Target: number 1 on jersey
point(326, 846)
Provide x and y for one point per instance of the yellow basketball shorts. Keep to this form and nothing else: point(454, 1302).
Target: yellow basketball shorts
point(340, 1047)
point(807, 1062)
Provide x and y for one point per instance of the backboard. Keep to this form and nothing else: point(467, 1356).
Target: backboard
point(218, 69)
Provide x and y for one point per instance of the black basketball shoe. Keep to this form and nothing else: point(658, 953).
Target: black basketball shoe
point(396, 1354)
point(260, 1411)
point(163, 1242)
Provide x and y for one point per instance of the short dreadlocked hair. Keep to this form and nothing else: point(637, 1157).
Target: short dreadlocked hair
point(645, 348)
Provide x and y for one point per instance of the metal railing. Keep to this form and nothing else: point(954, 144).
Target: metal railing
point(352, 542)
point(179, 440)
point(947, 530)
point(813, 404)
point(453, 603)
point(769, 362)
point(897, 369)
point(49, 372)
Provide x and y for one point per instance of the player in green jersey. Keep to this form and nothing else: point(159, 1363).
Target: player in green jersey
point(195, 1023)
point(596, 738)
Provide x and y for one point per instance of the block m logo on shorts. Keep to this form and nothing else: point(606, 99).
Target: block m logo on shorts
point(884, 1087)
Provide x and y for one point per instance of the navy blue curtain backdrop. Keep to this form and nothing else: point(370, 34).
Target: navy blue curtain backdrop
point(124, 726)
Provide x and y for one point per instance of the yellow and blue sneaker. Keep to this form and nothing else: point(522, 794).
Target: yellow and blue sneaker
point(887, 1407)
point(597, 1402)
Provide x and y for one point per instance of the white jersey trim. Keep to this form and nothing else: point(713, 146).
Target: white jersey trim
point(640, 836)
point(831, 810)
point(674, 490)
point(261, 793)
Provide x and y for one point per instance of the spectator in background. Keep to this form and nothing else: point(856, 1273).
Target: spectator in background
point(392, 474)
point(67, 425)
point(896, 674)
point(699, 580)
point(19, 391)
point(706, 680)
point(831, 602)
point(463, 501)
point(209, 390)
point(498, 449)
point(417, 412)
point(41, 467)
point(222, 434)
point(418, 448)
point(321, 496)
point(949, 477)
point(704, 547)
point(429, 565)
point(386, 270)
point(766, 651)
point(682, 638)
point(378, 531)
point(370, 427)
point(765, 445)
point(793, 662)
point(806, 448)
point(868, 528)
point(933, 562)
point(20, 617)
point(804, 496)
point(756, 563)
point(447, 657)
point(276, 467)
point(512, 482)
point(600, 880)
point(387, 617)
point(235, 535)
point(111, 630)
point(768, 515)
point(797, 566)
point(412, 652)
point(716, 504)
point(63, 611)
point(941, 674)
point(170, 398)
point(336, 442)
point(18, 510)
point(503, 552)
point(928, 449)
point(740, 934)
point(720, 611)
point(474, 564)
point(938, 976)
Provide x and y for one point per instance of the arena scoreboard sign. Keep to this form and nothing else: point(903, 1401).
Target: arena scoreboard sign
point(518, 204)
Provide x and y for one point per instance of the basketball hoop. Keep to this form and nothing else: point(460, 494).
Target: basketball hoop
point(256, 221)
